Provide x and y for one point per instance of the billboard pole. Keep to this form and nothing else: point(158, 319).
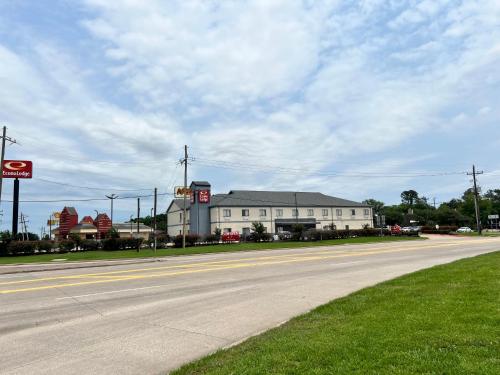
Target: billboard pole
point(12, 141)
point(15, 208)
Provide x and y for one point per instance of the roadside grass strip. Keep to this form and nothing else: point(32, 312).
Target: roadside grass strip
point(443, 320)
point(222, 248)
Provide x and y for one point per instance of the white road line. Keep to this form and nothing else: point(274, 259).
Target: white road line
point(162, 285)
point(113, 291)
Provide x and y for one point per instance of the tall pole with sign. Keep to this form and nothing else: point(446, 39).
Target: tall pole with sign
point(184, 198)
point(4, 138)
point(154, 218)
point(15, 208)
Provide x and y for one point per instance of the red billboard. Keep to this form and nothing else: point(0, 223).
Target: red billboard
point(17, 169)
point(203, 196)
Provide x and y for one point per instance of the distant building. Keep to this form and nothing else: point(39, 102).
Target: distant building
point(277, 210)
point(89, 228)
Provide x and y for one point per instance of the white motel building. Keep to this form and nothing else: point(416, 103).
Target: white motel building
point(278, 211)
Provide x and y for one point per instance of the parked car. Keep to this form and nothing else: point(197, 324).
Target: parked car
point(406, 229)
point(464, 230)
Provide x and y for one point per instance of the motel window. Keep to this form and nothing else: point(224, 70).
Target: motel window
point(262, 212)
point(227, 230)
point(226, 212)
point(279, 212)
point(367, 212)
point(310, 212)
point(347, 227)
point(180, 217)
point(325, 211)
point(353, 212)
point(295, 212)
point(245, 212)
point(339, 212)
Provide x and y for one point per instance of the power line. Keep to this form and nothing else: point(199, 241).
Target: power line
point(87, 187)
point(88, 199)
point(241, 167)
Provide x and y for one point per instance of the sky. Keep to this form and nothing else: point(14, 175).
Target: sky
point(355, 99)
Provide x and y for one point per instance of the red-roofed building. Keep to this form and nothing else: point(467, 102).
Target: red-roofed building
point(87, 220)
point(103, 224)
point(68, 219)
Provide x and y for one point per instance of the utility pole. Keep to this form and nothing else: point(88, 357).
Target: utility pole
point(138, 216)
point(154, 219)
point(476, 197)
point(4, 138)
point(434, 201)
point(296, 209)
point(112, 197)
point(50, 227)
point(185, 162)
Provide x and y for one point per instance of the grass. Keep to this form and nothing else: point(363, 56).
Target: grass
point(145, 253)
point(444, 320)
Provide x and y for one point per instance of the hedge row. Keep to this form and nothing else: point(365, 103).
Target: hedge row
point(444, 229)
point(32, 247)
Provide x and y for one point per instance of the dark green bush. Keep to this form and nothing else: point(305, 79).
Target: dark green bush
point(191, 240)
point(45, 245)
point(66, 245)
point(21, 247)
point(89, 245)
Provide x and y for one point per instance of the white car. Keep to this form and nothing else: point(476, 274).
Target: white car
point(464, 230)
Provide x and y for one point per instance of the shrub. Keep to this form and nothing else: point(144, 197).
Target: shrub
point(211, 239)
point(89, 245)
point(66, 245)
point(21, 247)
point(46, 246)
point(191, 240)
point(110, 244)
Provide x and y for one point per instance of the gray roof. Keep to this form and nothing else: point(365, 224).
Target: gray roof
point(126, 226)
point(247, 198)
point(200, 183)
point(180, 202)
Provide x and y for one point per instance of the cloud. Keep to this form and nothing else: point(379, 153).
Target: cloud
point(311, 85)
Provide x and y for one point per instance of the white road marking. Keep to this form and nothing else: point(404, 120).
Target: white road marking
point(162, 285)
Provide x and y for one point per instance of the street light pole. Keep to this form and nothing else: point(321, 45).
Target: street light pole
point(112, 197)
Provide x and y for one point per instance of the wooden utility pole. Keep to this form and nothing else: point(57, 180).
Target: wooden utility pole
point(476, 198)
point(138, 216)
point(154, 219)
point(4, 138)
point(185, 162)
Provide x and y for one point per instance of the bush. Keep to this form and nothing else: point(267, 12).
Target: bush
point(66, 245)
point(191, 240)
point(89, 245)
point(443, 229)
point(46, 246)
point(211, 239)
point(21, 247)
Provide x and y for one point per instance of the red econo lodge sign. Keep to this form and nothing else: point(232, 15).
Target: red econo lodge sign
point(17, 169)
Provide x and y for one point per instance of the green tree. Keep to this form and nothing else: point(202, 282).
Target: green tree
point(409, 197)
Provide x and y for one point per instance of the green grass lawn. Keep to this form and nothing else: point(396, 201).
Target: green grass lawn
point(144, 253)
point(444, 320)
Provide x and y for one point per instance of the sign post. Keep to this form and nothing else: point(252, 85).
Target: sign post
point(16, 169)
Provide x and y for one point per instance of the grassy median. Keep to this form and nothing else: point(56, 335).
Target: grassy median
point(444, 320)
point(145, 253)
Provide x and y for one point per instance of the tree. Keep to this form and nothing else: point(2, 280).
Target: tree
point(258, 231)
point(375, 204)
point(409, 197)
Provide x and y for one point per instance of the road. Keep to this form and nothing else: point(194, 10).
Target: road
point(152, 318)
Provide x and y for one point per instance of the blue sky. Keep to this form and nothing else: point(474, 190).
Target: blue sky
point(297, 95)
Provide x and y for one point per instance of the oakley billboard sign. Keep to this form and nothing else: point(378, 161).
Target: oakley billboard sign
point(17, 169)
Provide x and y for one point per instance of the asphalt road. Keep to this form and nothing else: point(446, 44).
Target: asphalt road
point(151, 318)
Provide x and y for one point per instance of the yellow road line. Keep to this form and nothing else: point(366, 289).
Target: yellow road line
point(236, 261)
point(197, 264)
point(222, 267)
